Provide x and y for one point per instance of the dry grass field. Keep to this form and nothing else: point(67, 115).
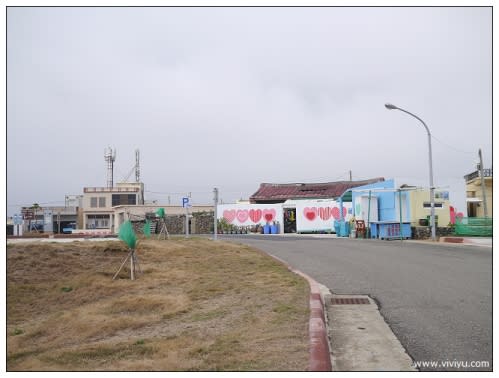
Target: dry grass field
point(199, 305)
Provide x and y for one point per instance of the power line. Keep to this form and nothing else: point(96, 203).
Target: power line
point(453, 148)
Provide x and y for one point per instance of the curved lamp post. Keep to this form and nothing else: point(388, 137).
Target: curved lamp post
point(432, 189)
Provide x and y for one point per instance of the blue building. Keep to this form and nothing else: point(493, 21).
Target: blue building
point(391, 207)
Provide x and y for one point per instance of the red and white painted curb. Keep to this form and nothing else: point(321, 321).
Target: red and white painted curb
point(320, 359)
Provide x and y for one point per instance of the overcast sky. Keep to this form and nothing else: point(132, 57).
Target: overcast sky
point(233, 97)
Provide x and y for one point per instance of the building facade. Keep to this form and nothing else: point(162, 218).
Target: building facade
point(98, 204)
point(475, 200)
point(420, 206)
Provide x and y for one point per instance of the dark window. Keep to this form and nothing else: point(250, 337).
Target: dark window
point(124, 199)
point(437, 204)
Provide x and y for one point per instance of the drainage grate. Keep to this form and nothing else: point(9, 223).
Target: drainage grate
point(349, 301)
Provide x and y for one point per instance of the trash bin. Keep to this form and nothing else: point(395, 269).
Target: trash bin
point(342, 228)
point(266, 229)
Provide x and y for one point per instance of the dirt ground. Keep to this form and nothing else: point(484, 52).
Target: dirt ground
point(198, 305)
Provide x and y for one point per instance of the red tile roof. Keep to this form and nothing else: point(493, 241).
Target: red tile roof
point(275, 193)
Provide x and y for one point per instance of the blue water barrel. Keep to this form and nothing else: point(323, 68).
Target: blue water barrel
point(266, 229)
point(273, 229)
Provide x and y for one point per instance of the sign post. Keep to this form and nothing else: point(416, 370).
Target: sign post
point(18, 221)
point(186, 205)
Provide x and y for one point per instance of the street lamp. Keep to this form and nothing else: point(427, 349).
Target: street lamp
point(432, 189)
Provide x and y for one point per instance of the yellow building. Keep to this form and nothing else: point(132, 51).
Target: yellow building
point(474, 194)
point(420, 206)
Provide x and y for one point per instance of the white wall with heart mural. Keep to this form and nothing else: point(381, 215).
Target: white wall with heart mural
point(320, 215)
point(250, 214)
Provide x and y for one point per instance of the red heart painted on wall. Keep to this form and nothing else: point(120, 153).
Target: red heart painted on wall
point(229, 215)
point(255, 215)
point(325, 213)
point(268, 214)
point(310, 213)
point(242, 215)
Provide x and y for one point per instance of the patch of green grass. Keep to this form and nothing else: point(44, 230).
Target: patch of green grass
point(283, 308)
point(17, 331)
point(13, 357)
point(208, 315)
point(101, 353)
point(66, 289)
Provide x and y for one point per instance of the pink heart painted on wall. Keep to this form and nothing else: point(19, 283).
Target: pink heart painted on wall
point(336, 212)
point(229, 215)
point(255, 215)
point(310, 213)
point(268, 214)
point(242, 215)
point(325, 213)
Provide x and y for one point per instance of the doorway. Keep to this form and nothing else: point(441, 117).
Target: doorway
point(290, 221)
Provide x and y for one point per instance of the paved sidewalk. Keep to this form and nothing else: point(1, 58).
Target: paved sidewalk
point(360, 338)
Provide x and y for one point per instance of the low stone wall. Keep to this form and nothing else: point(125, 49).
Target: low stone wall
point(200, 223)
point(419, 233)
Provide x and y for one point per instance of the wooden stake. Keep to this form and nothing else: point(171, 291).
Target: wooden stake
point(132, 265)
point(122, 264)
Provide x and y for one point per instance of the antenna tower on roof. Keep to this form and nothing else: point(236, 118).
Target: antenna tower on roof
point(110, 157)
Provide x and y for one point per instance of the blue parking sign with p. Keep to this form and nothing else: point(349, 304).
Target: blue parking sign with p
point(185, 202)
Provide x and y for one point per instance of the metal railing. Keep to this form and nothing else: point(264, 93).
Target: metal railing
point(476, 174)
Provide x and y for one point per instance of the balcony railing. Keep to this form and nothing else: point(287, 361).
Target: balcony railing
point(109, 190)
point(476, 174)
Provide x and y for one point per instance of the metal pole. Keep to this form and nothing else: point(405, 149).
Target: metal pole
point(430, 158)
point(215, 217)
point(369, 216)
point(485, 212)
point(186, 221)
point(400, 212)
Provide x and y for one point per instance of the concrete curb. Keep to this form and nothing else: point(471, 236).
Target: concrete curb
point(467, 240)
point(320, 357)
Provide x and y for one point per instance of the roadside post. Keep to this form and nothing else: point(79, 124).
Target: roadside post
point(18, 221)
point(215, 218)
point(186, 205)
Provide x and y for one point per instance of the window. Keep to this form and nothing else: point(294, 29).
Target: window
point(102, 201)
point(93, 202)
point(437, 204)
point(97, 221)
point(124, 199)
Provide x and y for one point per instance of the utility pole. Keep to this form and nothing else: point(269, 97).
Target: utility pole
point(350, 175)
point(215, 218)
point(485, 212)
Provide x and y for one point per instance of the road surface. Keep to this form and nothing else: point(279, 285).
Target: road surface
point(437, 298)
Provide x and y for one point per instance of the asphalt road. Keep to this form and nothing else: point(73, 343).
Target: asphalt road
point(437, 299)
